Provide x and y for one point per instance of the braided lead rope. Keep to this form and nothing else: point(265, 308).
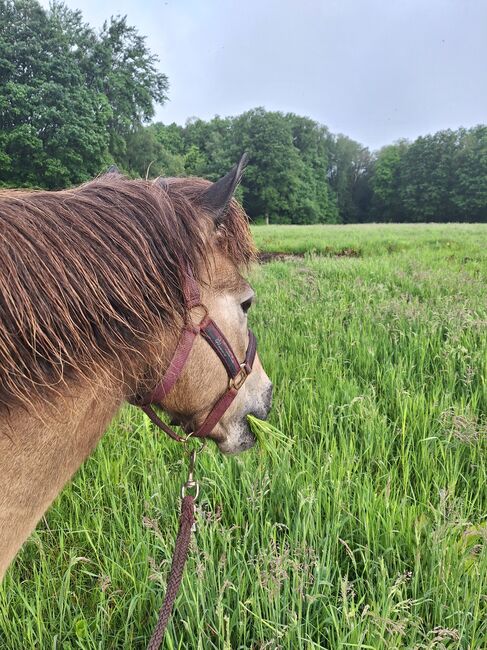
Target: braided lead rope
point(186, 522)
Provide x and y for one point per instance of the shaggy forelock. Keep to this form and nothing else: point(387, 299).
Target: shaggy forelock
point(89, 276)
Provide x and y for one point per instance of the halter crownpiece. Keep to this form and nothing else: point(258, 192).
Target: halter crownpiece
point(237, 372)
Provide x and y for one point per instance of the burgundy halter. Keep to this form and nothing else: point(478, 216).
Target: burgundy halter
point(237, 372)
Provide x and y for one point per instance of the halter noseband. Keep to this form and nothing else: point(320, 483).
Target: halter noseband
point(237, 372)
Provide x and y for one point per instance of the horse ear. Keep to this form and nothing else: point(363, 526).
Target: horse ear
point(218, 196)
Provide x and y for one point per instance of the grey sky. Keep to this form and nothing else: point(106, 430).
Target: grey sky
point(376, 70)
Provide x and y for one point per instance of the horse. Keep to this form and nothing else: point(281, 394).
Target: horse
point(92, 305)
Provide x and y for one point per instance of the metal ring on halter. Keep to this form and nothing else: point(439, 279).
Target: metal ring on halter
point(200, 440)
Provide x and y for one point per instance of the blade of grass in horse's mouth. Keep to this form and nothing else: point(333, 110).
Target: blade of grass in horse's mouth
point(267, 435)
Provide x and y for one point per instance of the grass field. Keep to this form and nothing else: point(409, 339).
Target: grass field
point(366, 527)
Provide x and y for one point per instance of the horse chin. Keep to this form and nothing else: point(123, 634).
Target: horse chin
point(240, 438)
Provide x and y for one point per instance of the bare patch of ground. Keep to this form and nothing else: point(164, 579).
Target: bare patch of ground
point(264, 257)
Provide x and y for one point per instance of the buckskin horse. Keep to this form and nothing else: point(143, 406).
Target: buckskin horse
point(103, 290)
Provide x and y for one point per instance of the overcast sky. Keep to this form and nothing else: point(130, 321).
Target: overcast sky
point(376, 70)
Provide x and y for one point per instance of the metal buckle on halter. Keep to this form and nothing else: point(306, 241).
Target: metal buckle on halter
point(237, 381)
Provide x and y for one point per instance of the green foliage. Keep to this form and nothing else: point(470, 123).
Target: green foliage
point(272, 183)
point(427, 174)
point(350, 164)
point(194, 162)
point(125, 71)
point(469, 193)
point(53, 129)
point(315, 146)
point(386, 183)
point(301, 174)
point(69, 97)
point(440, 177)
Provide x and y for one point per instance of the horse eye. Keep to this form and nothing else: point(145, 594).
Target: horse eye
point(246, 305)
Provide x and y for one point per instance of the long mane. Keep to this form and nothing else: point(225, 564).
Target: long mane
point(90, 275)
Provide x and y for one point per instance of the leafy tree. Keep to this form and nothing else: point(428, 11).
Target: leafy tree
point(438, 177)
point(428, 176)
point(117, 63)
point(469, 193)
point(195, 162)
point(125, 71)
point(272, 181)
point(143, 153)
point(214, 142)
point(386, 183)
point(314, 143)
point(171, 137)
point(69, 97)
point(52, 127)
point(349, 178)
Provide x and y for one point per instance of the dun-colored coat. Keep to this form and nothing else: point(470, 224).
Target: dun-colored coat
point(91, 307)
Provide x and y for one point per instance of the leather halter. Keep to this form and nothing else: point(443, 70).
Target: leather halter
point(237, 372)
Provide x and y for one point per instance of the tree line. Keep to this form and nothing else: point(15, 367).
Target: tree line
point(74, 100)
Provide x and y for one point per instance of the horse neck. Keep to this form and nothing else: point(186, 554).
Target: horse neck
point(40, 450)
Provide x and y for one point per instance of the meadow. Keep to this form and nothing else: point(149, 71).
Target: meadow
point(363, 524)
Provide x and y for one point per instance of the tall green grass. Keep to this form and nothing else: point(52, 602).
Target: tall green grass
point(371, 239)
point(361, 525)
